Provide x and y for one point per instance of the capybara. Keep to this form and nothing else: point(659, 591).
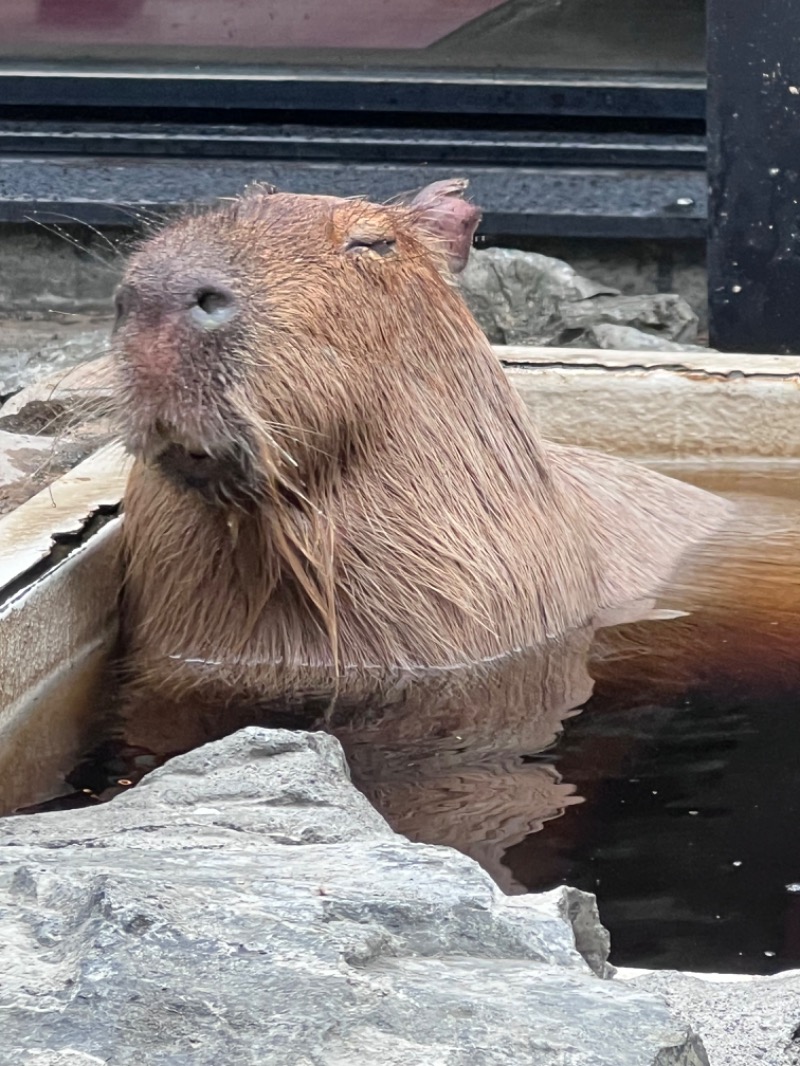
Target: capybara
point(333, 476)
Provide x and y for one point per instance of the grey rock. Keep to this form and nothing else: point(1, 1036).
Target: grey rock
point(70, 412)
point(61, 412)
point(638, 267)
point(245, 905)
point(745, 1022)
point(29, 462)
point(666, 316)
point(526, 298)
point(65, 1057)
point(517, 296)
point(81, 392)
point(629, 339)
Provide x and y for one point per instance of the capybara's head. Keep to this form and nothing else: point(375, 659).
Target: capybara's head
point(256, 341)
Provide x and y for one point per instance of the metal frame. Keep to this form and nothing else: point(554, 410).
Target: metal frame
point(479, 146)
point(544, 201)
point(754, 220)
point(547, 154)
point(443, 92)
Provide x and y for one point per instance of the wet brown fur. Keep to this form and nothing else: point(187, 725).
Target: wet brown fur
point(394, 506)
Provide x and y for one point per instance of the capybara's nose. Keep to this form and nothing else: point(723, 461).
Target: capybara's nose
point(208, 306)
point(212, 306)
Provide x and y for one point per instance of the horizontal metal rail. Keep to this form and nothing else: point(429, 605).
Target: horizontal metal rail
point(478, 145)
point(540, 201)
point(444, 92)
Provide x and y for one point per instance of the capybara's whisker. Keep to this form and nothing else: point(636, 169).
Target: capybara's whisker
point(87, 225)
point(56, 231)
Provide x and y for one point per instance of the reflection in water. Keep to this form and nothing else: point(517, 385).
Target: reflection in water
point(457, 758)
point(448, 760)
point(703, 688)
point(674, 794)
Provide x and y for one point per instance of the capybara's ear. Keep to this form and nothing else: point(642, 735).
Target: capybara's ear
point(447, 216)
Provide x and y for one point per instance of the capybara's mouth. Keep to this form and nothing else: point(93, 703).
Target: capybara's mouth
point(220, 476)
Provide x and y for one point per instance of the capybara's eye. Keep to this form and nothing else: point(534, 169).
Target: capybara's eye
point(379, 245)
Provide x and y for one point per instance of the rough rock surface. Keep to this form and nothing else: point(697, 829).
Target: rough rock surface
point(525, 298)
point(77, 393)
point(21, 455)
point(638, 267)
point(628, 339)
point(28, 463)
point(663, 315)
point(244, 904)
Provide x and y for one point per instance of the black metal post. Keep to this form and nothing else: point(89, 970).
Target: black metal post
point(754, 175)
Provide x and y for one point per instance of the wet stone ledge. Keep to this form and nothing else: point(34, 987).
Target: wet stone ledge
point(246, 905)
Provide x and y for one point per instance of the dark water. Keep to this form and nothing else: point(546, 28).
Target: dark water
point(654, 762)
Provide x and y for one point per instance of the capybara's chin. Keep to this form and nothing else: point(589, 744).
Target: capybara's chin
point(381, 500)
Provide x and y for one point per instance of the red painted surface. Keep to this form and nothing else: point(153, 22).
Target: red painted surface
point(239, 23)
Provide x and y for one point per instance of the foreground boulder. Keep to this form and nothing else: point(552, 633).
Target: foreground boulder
point(245, 904)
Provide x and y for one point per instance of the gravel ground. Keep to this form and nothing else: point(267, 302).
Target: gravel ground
point(742, 1021)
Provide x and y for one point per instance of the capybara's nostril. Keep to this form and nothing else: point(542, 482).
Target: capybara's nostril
point(212, 307)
